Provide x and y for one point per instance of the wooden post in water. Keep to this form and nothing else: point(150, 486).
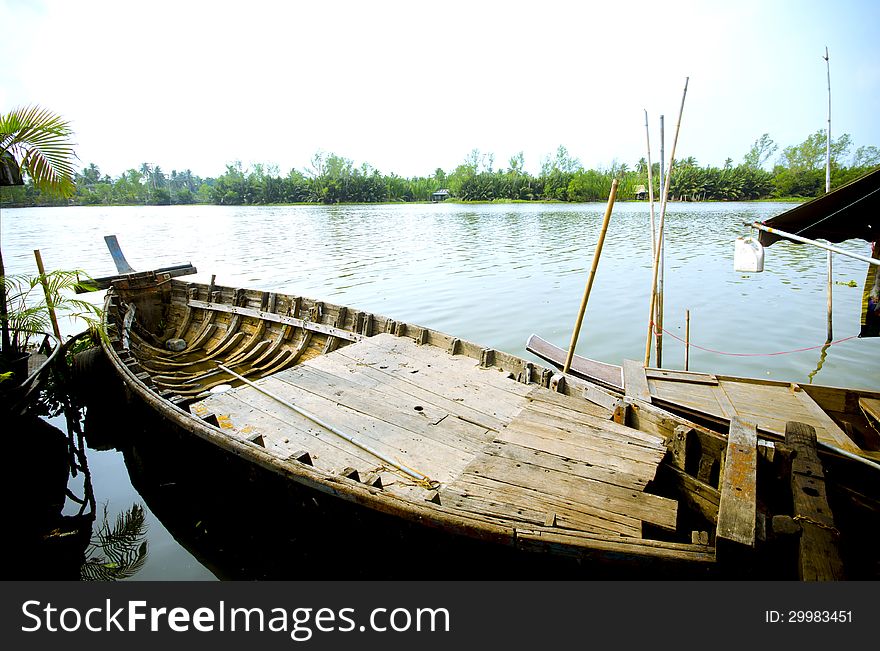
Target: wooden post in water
point(661, 241)
point(589, 286)
point(49, 305)
point(663, 203)
point(830, 333)
point(687, 338)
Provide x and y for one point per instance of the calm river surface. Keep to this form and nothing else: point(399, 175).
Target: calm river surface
point(492, 274)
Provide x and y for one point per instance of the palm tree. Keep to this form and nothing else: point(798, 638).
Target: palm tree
point(37, 141)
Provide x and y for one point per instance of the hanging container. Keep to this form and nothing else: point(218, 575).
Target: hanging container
point(748, 255)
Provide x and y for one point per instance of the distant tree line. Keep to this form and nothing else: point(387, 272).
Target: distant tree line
point(799, 172)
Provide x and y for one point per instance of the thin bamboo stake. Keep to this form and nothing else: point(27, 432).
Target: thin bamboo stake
point(658, 307)
point(687, 338)
point(663, 203)
point(650, 185)
point(589, 286)
point(830, 332)
point(45, 285)
point(830, 293)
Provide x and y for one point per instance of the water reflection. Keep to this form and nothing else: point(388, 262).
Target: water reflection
point(116, 552)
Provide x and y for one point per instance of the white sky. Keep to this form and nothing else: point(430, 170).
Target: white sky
point(411, 86)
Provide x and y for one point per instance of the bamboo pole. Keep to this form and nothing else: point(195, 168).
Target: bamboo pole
point(49, 304)
point(829, 290)
point(687, 338)
point(658, 307)
point(816, 243)
point(589, 286)
point(650, 185)
point(663, 202)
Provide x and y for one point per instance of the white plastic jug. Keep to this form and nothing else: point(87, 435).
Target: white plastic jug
point(748, 255)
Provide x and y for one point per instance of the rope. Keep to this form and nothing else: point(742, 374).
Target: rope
point(803, 518)
point(721, 352)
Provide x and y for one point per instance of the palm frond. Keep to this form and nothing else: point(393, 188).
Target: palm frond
point(117, 552)
point(40, 141)
point(28, 303)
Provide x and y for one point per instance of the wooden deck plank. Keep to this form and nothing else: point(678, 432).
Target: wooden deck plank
point(455, 376)
point(241, 417)
point(737, 509)
point(635, 381)
point(544, 459)
point(617, 431)
point(397, 386)
point(576, 490)
point(505, 499)
point(570, 403)
point(389, 428)
point(690, 377)
point(871, 407)
point(592, 436)
point(556, 443)
point(415, 415)
point(384, 347)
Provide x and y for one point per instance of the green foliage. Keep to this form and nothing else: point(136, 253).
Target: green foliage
point(39, 141)
point(28, 305)
point(761, 151)
point(332, 179)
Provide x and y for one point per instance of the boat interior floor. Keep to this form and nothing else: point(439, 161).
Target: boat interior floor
point(487, 444)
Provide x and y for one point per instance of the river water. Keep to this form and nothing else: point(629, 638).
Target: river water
point(492, 274)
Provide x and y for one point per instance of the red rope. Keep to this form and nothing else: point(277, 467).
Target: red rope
point(720, 352)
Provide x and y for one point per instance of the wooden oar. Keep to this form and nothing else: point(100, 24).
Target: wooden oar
point(589, 285)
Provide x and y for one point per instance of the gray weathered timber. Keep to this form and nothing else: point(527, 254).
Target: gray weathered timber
point(737, 510)
point(819, 556)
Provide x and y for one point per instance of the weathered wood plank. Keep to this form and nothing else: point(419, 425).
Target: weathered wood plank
point(738, 506)
point(571, 420)
point(592, 435)
point(635, 382)
point(828, 431)
point(400, 387)
point(871, 408)
point(501, 499)
point(456, 377)
point(540, 394)
point(422, 418)
point(277, 318)
point(662, 374)
point(577, 490)
point(561, 446)
point(543, 459)
point(819, 554)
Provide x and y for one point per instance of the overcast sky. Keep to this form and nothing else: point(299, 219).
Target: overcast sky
point(411, 86)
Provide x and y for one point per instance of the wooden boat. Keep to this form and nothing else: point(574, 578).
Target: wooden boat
point(441, 434)
point(846, 420)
